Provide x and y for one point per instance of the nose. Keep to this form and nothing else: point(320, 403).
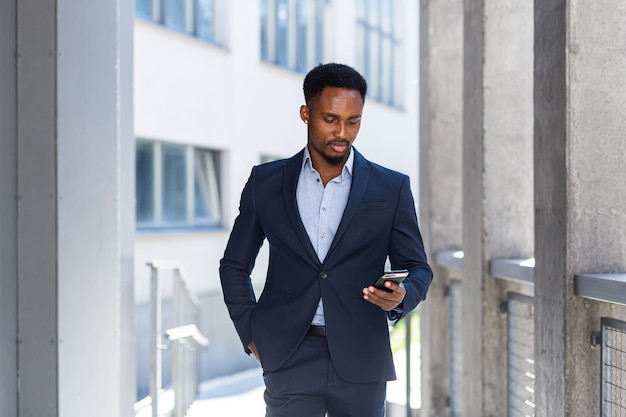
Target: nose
point(341, 132)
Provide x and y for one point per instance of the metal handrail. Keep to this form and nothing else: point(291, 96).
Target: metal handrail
point(513, 269)
point(610, 288)
point(188, 331)
point(184, 339)
point(607, 287)
point(451, 259)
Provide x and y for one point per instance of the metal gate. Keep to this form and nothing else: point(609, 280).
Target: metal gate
point(521, 355)
point(613, 368)
point(456, 348)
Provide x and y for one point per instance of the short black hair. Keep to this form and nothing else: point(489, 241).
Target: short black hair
point(332, 75)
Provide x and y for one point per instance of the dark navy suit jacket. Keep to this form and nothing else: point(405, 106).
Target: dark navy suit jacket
point(379, 221)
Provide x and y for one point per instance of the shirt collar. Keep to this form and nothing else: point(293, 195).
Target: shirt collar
point(306, 160)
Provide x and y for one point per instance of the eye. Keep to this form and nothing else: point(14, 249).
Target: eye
point(353, 122)
point(329, 119)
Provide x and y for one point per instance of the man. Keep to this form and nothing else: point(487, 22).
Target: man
point(331, 218)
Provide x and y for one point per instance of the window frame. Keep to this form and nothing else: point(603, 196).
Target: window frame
point(298, 43)
point(379, 35)
point(191, 21)
point(192, 221)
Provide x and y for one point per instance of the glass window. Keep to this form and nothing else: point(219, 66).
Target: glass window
point(144, 167)
point(204, 19)
point(206, 188)
point(379, 48)
point(282, 33)
point(143, 8)
point(269, 158)
point(264, 31)
point(320, 29)
point(292, 33)
point(174, 14)
point(301, 38)
point(174, 183)
point(177, 186)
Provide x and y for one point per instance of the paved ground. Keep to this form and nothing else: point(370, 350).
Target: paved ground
point(236, 395)
point(242, 394)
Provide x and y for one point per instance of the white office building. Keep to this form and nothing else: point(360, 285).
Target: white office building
point(217, 89)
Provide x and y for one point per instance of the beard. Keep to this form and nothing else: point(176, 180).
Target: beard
point(334, 160)
point(337, 160)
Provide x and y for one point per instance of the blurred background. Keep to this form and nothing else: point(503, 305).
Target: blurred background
point(217, 90)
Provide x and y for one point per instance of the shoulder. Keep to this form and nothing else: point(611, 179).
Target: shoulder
point(379, 171)
point(277, 166)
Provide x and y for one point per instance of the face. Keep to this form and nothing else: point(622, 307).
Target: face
point(333, 119)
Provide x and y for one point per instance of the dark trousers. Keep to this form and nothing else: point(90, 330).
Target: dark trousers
point(308, 386)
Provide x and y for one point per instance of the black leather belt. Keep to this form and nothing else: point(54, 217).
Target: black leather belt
point(317, 331)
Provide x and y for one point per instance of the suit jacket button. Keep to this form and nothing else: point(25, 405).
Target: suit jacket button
point(323, 275)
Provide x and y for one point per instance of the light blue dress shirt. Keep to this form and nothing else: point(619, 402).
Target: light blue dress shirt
point(321, 209)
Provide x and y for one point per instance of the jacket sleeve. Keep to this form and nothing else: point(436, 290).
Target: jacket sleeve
point(406, 251)
point(240, 255)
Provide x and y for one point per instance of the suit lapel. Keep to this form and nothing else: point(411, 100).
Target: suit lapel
point(360, 173)
point(291, 173)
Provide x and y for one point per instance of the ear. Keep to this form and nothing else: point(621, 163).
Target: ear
point(304, 113)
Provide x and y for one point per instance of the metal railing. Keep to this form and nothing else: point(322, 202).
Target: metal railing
point(520, 311)
point(452, 260)
point(184, 338)
point(456, 347)
point(521, 355)
point(609, 288)
point(613, 367)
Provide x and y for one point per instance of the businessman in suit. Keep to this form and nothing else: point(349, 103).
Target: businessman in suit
point(331, 218)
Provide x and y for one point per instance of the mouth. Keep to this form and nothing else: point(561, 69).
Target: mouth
point(339, 146)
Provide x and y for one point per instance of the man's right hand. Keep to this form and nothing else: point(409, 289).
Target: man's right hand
point(252, 348)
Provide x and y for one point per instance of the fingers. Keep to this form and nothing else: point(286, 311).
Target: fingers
point(385, 300)
point(252, 348)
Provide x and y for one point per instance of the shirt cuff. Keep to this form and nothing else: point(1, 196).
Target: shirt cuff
point(396, 313)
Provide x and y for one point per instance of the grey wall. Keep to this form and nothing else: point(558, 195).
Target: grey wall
point(544, 121)
point(580, 125)
point(8, 211)
point(37, 220)
point(497, 186)
point(473, 292)
point(440, 201)
point(75, 224)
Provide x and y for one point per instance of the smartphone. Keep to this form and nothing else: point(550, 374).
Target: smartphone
point(394, 276)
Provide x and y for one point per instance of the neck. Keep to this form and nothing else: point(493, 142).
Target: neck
point(327, 170)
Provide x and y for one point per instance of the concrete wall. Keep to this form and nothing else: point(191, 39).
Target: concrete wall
point(441, 90)
point(8, 209)
point(497, 186)
point(71, 251)
point(554, 191)
point(579, 189)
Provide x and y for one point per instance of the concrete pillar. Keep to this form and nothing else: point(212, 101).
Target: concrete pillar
point(441, 52)
point(580, 125)
point(8, 211)
point(74, 177)
point(497, 186)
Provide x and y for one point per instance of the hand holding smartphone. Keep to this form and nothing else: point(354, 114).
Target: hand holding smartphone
point(394, 276)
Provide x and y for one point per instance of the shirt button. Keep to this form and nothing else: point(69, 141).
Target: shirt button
point(322, 236)
point(323, 275)
point(323, 208)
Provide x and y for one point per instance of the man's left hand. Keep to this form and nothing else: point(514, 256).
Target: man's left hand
point(383, 299)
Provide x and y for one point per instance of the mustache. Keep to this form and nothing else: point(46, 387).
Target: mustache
point(338, 142)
